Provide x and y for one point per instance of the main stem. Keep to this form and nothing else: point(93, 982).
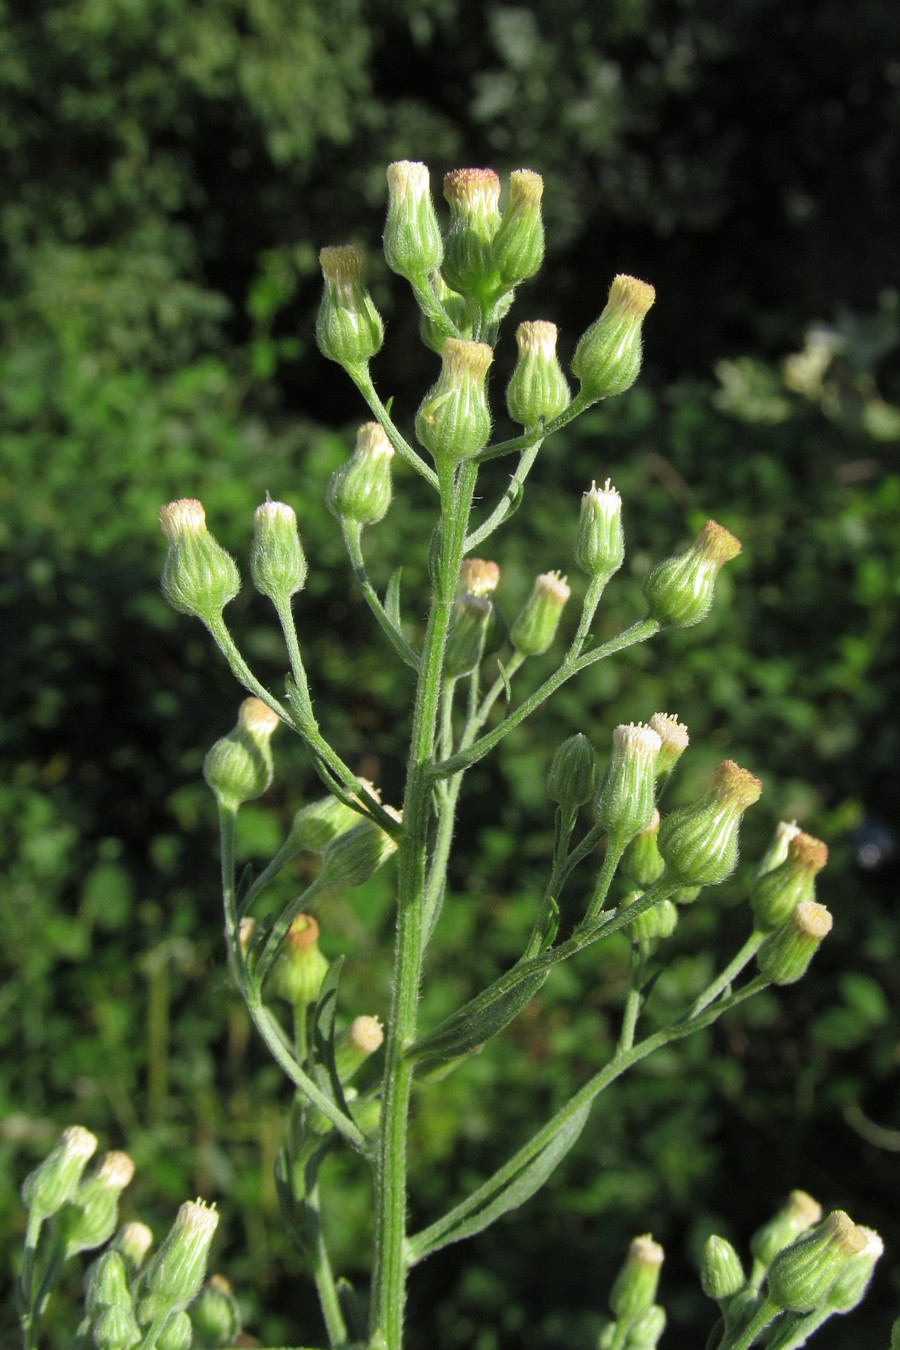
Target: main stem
point(390, 1264)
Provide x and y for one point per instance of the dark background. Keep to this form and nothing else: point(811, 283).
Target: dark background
point(171, 170)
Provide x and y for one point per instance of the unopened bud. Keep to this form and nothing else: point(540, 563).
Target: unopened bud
point(115, 1328)
point(300, 967)
point(317, 823)
point(777, 850)
point(801, 1275)
point(600, 545)
point(55, 1180)
point(634, 1288)
point(518, 245)
point(656, 923)
point(721, 1272)
point(454, 421)
point(134, 1241)
point(477, 577)
point(680, 590)
point(348, 328)
point(215, 1314)
point(675, 740)
point(642, 861)
point(473, 196)
point(176, 1273)
point(177, 1334)
point(573, 772)
point(351, 858)
point(277, 563)
point(537, 622)
point(778, 892)
point(625, 803)
point(412, 238)
point(468, 630)
point(700, 843)
point(106, 1282)
point(607, 359)
point(785, 955)
point(360, 490)
point(198, 576)
point(537, 391)
point(354, 1045)
point(646, 1332)
point(855, 1275)
point(89, 1218)
point(798, 1214)
point(238, 767)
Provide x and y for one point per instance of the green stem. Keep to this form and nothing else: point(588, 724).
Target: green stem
point(730, 973)
point(765, 1313)
point(431, 306)
point(363, 381)
point(154, 1331)
point(27, 1309)
point(322, 1272)
point(633, 1001)
point(615, 847)
point(575, 409)
point(510, 500)
point(390, 1266)
point(352, 533)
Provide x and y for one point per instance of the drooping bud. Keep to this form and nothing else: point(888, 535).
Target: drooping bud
point(776, 853)
point(473, 196)
point(348, 327)
point(656, 923)
point(133, 1241)
point(477, 577)
point(680, 590)
point(300, 967)
point(215, 1314)
point(468, 630)
point(537, 391)
point(798, 1214)
point(177, 1334)
point(351, 858)
point(175, 1274)
point(412, 238)
point(277, 562)
point(600, 546)
point(642, 861)
point(700, 843)
point(54, 1181)
point(854, 1277)
point(198, 576)
point(518, 245)
point(721, 1273)
point(607, 359)
point(785, 955)
point(573, 772)
point(625, 803)
point(778, 892)
point(454, 421)
point(355, 1044)
point(89, 1218)
point(239, 766)
point(634, 1288)
point(317, 823)
point(360, 490)
point(537, 622)
point(675, 740)
point(801, 1275)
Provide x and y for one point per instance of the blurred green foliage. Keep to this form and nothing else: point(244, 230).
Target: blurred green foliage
point(171, 170)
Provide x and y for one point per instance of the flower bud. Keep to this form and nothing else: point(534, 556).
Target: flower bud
point(646, 1332)
point(518, 245)
point(473, 196)
point(777, 893)
point(538, 620)
point(454, 421)
point(198, 576)
point(239, 766)
point(54, 1181)
point(360, 490)
point(177, 1334)
point(721, 1273)
point(642, 861)
point(89, 1218)
point(656, 923)
point(277, 564)
point(607, 359)
point(600, 546)
point(176, 1272)
point(785, 955)
point(537, 391)
point(700, 843)
point(675, 740)
point(215, 1314)
point(776, 853)
point(680, 590)
point(798, 1214)
point(133, 1241)
point(106, 1282)
point(477, 577)
point(468, 630)
point(801, 1275)
point(348, 327)
point(412, 238)
point(573, 772)
point(351, 858)
point(625, 803)
point(355, 1044)
point(686, 895)
point(116, 1328)
point(300, 967)
point(854, 1277)
point(316, 824)
point(634, 1288)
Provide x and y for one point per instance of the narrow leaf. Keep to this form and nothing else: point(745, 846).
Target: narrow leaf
point(325, 1071)
point(478, 1020)
point(392, 598)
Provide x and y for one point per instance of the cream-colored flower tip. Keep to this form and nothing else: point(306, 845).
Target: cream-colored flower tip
point(472, 189)
point(735, 784)
point(115, 1170)
point(478, 576)
point(197, 1218)
point(372, 440)
point(606, 499)
point(537, 337)
point(78, 1142)
point(525, 187)
point(811, 919)
point(554, 584)
point(633, 738)
point(631, 295)
point(647, 1252)
point(407, 178)
point(785, 831)
point(717, 544)
point(805, 1208)
point(270, 512)
point(366, 1034)
point(466, 358)
point(256, 718)
point(185, 516)
point(672, 733)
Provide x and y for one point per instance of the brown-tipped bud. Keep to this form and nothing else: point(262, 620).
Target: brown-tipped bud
point(785, 955)
point(607, 359)
point(518, 245)
point(360, 490)
point(675, 740)
point(625, 803)
point(198, 576)
point(634, 1288)
point(700, 843)
point(473, 196)
point(477, 577)
point(680, 590)
point(798, 1214)
point(348, 328)
point(277, 562)
point(600, 546)
point(535, 628)
point(537, 391)
point(412, 238)
point(801, 1275)
point(300, 968)
point(454, 421)
point(354, 1045)
point(642, 861)
point(239, 766)
point(778, 892)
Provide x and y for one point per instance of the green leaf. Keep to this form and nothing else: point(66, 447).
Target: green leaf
point(479, 1020)
point(392, 598)
point(325, 1070)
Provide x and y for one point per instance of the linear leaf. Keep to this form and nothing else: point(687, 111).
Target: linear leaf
point(479, 1020)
